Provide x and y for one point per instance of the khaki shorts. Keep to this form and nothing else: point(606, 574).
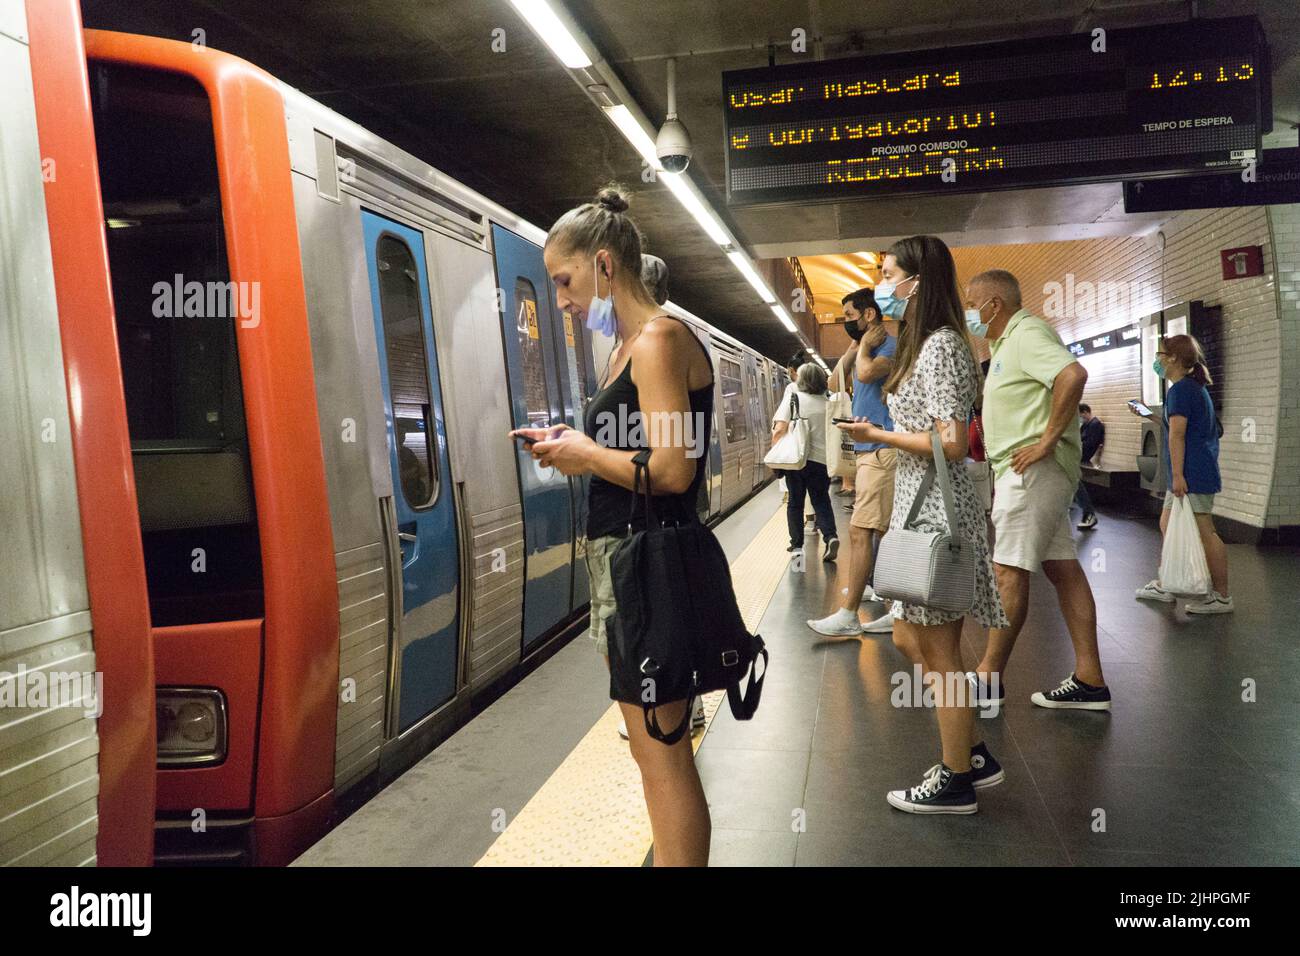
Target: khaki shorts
point(873, 502)
point(602, 589)
point(1201, 504)
point(1031, 516)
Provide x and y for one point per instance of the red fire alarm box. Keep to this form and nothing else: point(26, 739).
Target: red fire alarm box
point(1243, 262)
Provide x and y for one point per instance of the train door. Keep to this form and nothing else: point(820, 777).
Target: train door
point(532, 365)
point(757, 427)
point(422, 509)
point(577, 375)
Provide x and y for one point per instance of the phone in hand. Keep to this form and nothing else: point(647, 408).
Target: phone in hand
point(1137, 408)
point(842, 421)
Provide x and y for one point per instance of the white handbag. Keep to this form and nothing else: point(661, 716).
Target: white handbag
point(791, 452)
point(840, 457)
point(929, 568)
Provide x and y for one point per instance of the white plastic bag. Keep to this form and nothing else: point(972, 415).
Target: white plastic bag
point(1182, 561)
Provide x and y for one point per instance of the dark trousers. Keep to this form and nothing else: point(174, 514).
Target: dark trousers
point(813, 479)
point(1082, 499)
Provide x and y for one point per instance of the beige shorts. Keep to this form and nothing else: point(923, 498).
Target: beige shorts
point(602, 589)
point(1201, 504)
point(1031, 516)
point(873, 501)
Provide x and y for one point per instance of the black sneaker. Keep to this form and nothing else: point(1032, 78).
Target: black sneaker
point(984, 768)
point(832, 549)
point(985, 771)
point(1073, 694)
point(1087, 521)
point(942, 791)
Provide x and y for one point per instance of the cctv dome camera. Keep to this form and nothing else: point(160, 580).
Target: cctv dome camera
point(673, 146)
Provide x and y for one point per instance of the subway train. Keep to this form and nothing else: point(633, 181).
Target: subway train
point(307, 551)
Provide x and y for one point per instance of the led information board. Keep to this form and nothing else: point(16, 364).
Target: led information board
point(1158, 101)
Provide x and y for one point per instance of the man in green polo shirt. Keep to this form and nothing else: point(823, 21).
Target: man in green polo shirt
point(1031, 435)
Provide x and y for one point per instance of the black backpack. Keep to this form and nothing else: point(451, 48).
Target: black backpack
point(676, 631)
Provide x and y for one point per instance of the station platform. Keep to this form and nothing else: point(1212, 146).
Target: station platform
point(1194, 765)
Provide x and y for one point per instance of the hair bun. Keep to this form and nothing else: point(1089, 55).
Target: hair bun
point(612, 198)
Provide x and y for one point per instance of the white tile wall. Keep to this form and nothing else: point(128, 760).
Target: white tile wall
point(1261, 480)
point(1284, 501)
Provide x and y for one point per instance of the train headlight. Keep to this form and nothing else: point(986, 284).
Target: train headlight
point(191, 726)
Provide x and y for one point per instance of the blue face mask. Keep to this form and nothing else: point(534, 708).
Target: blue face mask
point(1158, 367)
point(977, 328)
point(890, 306)
point(600, 314)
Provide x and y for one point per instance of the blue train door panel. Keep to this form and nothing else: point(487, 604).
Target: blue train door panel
point(577, 375)
point(423, 509)
point(535, 398)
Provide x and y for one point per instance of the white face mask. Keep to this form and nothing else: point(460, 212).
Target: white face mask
point(600, 313)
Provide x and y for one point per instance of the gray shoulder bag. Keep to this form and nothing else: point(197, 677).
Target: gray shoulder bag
point(927, 567)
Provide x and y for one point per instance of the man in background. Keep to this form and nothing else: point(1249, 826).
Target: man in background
point(874, 500)
point(1092, 431)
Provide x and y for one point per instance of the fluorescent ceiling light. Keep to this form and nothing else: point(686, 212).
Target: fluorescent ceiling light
point(784, 316)
point(633, 133)
point(691, 203)
point(552, 32)
point(742, 263)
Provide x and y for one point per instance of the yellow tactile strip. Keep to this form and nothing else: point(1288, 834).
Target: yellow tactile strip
point(590, 811)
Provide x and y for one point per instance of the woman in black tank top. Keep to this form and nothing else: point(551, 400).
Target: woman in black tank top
point(657, 394)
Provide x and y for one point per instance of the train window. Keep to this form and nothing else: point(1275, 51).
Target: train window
point(408, 369)
point(176, 313)
point(537, 402)
point(578, 382)
point(734, 412)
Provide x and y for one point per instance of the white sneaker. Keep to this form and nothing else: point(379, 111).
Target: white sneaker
point(869, 596)
point(697, 716)
point(840, 624)
point(881, 625)
point(1152, 591)
point(1213, 603)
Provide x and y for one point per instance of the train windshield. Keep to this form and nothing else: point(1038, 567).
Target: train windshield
point(176, 318)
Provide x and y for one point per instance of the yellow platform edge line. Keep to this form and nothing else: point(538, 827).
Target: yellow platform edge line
point(590, 811)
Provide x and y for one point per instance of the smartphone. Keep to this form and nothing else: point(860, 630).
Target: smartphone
point(1138, 408)
point(849, 421)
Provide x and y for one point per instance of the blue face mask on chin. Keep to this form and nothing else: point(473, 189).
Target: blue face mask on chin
point(600, 313)
point(891, 307)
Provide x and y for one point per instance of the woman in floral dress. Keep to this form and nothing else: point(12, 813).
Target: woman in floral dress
point(933, 387)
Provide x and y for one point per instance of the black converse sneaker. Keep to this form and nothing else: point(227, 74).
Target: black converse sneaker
point(1073, 694)
point(985, 771)
point(942, 791)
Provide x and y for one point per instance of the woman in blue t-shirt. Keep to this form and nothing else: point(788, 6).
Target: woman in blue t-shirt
point(1191, 461)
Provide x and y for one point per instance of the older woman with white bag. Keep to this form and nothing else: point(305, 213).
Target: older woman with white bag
point(799, 453)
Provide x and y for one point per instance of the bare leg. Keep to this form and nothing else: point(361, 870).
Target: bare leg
point(1216, 553)
point(1074, 595)
point(1013, 587)
point(861, 556)
point(941, 647)
point(674, 797)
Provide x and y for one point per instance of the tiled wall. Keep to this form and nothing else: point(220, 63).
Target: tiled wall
point(1260, 384)
point(1284, 502)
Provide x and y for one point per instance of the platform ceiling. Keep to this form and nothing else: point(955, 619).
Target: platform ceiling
point(515, 126)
